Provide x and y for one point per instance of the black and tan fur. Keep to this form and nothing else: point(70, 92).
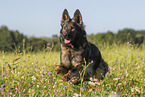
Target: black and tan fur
point(76, 51)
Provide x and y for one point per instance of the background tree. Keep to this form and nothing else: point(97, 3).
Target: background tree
point(126, 35)
point(12, 39)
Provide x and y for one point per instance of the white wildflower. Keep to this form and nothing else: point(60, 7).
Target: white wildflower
point(137, 89)
point(114, 94)
point(76, 95)
point(61, 84)
point(33, 78)
point(97, 83)
point(116, 78)
point(91, 90)
point(54, 86)
point(91, 83)
point(119, 84)
point(22, 77)
point(93, 79)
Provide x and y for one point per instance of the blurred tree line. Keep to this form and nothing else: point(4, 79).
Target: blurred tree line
point(12, 40)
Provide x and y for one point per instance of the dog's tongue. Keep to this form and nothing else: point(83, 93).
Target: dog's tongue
point(67, 41)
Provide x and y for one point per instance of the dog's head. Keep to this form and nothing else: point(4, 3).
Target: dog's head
point(72, 29)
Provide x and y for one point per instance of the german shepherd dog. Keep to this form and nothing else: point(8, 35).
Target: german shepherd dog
point(77, 52)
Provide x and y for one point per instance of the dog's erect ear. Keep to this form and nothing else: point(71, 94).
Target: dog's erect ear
point(65, 16)
point(78, 17)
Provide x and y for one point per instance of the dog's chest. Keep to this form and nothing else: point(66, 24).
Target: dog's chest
point(76, 56)
point(71, 57)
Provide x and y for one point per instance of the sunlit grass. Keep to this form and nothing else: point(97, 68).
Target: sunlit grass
point(32, 74)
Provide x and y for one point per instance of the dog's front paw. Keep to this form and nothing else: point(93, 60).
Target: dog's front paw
point(66, 76)
point(60, 70)
point(75, 80)
point(57, 70)
point(71, 78)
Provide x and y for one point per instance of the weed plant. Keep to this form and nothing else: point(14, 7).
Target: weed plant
point(30, 74)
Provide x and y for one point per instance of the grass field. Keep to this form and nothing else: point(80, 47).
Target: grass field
point(32, 75)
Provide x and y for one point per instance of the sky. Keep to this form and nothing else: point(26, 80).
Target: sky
point(41, 18)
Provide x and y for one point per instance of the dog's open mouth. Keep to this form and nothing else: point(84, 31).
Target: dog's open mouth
point(67, 41)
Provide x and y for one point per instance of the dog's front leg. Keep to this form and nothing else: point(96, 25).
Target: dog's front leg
point(73, 75)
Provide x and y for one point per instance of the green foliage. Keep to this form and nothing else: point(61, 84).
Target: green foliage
point(36, 43)
point(126, 35)
point(12, 40)
point(56, 42)
point(123, 36)
point(32, 74)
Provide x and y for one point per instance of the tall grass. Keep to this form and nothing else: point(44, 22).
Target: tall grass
point(32, 74)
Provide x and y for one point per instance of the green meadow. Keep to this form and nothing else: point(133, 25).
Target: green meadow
point(28, 74)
